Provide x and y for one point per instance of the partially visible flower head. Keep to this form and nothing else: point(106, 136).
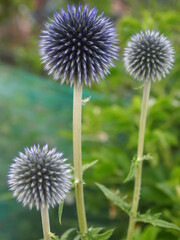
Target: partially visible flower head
point(148, 55)
point(39, 177)
point(78, 45)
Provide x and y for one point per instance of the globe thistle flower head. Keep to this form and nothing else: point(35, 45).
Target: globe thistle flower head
point(78, 45)
point(148, 55)
point(39, 177)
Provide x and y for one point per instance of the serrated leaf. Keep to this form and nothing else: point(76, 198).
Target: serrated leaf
point(155, 221)
point(133, 168)
point(89, 165)
point(54, 237)
point(106, 235)
point(66, 234)
point(134, 165)
point(115, 198)
point(60, 210)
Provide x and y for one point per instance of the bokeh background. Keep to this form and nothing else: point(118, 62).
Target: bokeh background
point(35, 109)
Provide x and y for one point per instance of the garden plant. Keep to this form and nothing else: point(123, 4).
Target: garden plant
point(78, 46)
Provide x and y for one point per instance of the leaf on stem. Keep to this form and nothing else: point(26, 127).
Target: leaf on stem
point(89, 165)
point(106, 235)
point(94, 234)
point(54, 237)
point(133, 168)
point(115, 198)
point(60, 210)
point(155, 221)
point(67, 233)
point(134, 165)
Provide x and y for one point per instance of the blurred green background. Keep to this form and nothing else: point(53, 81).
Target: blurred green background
point(35, 109)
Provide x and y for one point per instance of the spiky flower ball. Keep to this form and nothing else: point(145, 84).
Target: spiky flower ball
point(39, 177)
point(148, 55)
point(78, 45)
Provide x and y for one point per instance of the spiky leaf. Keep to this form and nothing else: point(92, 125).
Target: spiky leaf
point(115, 198)
point(155, 221)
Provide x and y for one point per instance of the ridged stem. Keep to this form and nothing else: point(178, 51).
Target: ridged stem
point(45, 222)
point(137, 185)
point(77, 153)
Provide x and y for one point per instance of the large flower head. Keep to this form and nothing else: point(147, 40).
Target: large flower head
point(39, 177)
point(78, 45)
point(148, 55)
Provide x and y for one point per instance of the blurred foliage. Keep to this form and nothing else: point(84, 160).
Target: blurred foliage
point(37, 110)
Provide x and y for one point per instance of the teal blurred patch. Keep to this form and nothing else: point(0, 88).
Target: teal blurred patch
point(33, 110)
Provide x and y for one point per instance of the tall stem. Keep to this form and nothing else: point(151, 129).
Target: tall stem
point(77, 112)
point(137, 185)
point(45, 222)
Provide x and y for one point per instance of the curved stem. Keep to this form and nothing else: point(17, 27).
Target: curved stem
point(78, 175)
point(45, 222)
point(137, 185)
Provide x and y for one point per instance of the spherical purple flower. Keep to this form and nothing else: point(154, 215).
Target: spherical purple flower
point(148, 55)
point(78, 46)
point(39, 177)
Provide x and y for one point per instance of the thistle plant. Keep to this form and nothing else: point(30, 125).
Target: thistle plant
point(78, 47)
point(40, 178)
point(148, 56)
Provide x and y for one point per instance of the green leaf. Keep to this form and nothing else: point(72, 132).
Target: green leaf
point(95, 231)
point(93, 234)
point(115, 198)
point(149, 233)
point(60, 210)
point(54, 237)
point(78, 237)
point(155, 221)
point(66, 234)
point(133, 168)
point(89, 165)
point(106, 235)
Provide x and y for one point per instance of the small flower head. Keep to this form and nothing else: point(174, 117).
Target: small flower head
point(39, 177)
point(78, 45)
point(148, 55)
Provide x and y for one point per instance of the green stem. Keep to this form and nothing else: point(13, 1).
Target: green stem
point(137, 185)
point(78, 174)
point(45, 222)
